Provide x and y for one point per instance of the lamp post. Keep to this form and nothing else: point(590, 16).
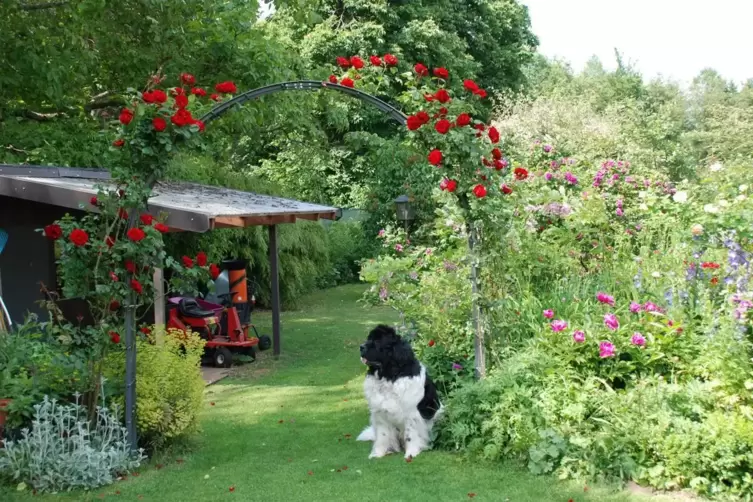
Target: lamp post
point(404, 211)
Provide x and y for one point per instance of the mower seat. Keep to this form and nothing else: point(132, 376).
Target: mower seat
point(190, 308)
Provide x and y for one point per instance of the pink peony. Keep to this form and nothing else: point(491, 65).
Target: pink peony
point(635, 307)
point(558, 325)
point(606, 349)
point(579, 336)
point(611, 322)
point(605, 298)
point(549, 313)
point(638, 339)
point(399, 248)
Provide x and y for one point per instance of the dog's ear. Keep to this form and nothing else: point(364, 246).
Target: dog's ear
point(402, 352)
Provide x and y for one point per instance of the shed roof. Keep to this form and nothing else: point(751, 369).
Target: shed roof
point(189, 206)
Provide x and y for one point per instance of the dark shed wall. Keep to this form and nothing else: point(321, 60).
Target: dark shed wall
point(28, 258)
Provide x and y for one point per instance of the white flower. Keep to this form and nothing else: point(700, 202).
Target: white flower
point(696, 229)
point(715, 167)
point(655, 275)
point(710, 208)
point(680, 197)
point(740, 198)
point(642, 194)
point(743, 188)
point(643, 207)
point(723, 203)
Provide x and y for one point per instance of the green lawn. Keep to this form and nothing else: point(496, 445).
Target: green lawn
point(284, 431)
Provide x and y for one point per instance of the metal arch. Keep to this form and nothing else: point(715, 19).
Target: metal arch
point(304, 85)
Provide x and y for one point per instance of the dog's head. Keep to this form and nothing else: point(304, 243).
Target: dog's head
point(385, 350)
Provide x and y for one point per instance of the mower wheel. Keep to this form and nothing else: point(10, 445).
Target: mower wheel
point(265, 343)
point(223, 358)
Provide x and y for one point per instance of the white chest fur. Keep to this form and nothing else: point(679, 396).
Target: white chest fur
point(395, 399)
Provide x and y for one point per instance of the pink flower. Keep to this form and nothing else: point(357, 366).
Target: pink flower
point(558, 325)
point(549, 313)
point(638, 339)
point(611, 322)
point(381, 233)
point(456, 367)
point(652, 307)
point(635, 307)
point(606, 349)
point(605, 298)
point(579, 336)
point(399, 248)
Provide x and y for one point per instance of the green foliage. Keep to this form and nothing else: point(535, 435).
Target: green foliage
point(347, 246)
point(169, 385)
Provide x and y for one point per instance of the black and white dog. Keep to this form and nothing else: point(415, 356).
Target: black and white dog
point(402, 399)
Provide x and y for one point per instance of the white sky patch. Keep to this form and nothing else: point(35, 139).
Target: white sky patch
point(672, 38)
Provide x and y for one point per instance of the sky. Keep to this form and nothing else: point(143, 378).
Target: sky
point(672, 38)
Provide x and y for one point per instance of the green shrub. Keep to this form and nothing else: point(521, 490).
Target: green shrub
point(169, 385)
point(347, 245)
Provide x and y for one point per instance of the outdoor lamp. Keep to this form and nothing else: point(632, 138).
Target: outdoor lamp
point(404, 210)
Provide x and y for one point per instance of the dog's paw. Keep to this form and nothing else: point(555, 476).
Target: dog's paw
point(367, 434)
point(378, 453)
point(411, 454)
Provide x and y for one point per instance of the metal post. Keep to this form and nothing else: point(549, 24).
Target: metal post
point(274, 274)
point(478, 339)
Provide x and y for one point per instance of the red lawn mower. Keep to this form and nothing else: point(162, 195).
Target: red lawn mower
point(223, 318)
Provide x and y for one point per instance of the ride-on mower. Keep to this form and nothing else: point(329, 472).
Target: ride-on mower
point(223, 318)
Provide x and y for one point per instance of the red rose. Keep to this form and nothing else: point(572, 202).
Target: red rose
point(187, 78)
point(130, 266)
point(146, 219)
point(479, 191)
point(135, 234)
point(159, 124)
point(332, 79)
point(187, 262)
point(136, 286)
point(356, 62)
point(181, 101)
point(118, 143)
point(375, 61)
point(435, 157)
point(520, 173)
point(200, 125)
point(110, 241)
point(155, 96)
point(431, 343)
point(114, 305)
point(429, 97)
point(470, 85)
point(122, 213)
point(215, 97)
point(125, 116)
point(114, 337)
point(214, 271)
point(443, 111)
point(113, 277)
point(414, 122)
point(182, 118)
point(347, 82)
point(452, 185)
point(177, 91)
point(390, 60)
point(198, 91)
point(343, 62)
point(421, 70)
point(93, 201)
point(505, 189)
point(78, 237)
point(226, 88)
point(494, 135)
point(423, 117)
point(442, 96)
point(463, 119)
point(442, 126)
point(161, 228)
point(441, 73)
point(480, 93)
point(497, 153)
point(201, 259)
point(53, 232)
point(500, 164)
point(146, 330)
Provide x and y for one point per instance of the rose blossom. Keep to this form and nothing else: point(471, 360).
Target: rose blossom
point(611, 322)
point(558, 325)
point(579, 336)
point(606, 349)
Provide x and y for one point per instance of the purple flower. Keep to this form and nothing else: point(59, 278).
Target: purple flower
point(652, 307)
point(605, 298)
point(579, 336)
point(547, 148)
point(570, 178)
point(554, 164)
point(548, 176)
point(383, 293)
point(611, 322)
point(558, 325)
point(619, 212)
point(619, 203)
point(548, 313)
point(456, 367)
point(635, 307)
point(381, 233)
point(638, 340)
point(606, 349)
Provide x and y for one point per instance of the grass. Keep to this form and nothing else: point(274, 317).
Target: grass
point(284, 430)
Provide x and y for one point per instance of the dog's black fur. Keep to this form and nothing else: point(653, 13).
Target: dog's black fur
point(386, 352)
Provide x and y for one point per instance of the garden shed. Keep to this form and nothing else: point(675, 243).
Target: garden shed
point(33, 196)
